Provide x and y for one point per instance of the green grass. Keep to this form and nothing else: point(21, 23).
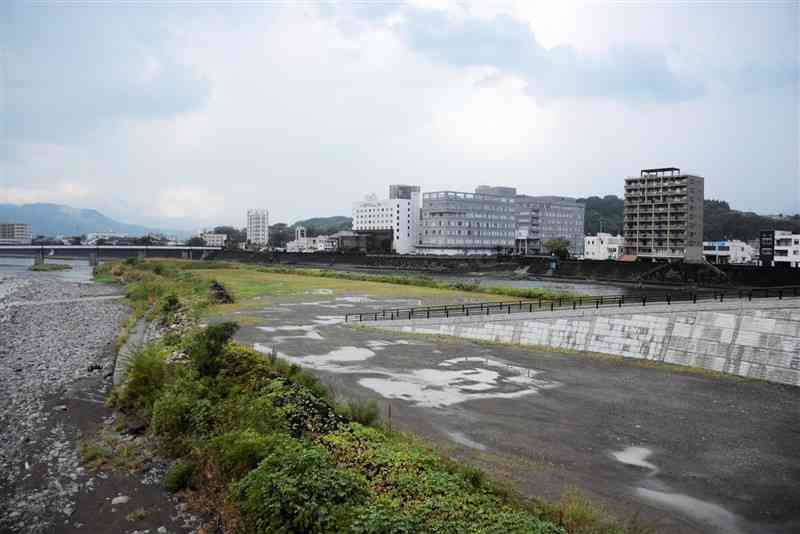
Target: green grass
point(44, 267)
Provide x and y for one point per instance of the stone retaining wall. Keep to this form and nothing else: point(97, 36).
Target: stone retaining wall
point(750, 339)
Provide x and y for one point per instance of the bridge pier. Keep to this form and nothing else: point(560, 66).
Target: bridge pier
point(38, 260)
point(93, 260)
point(186, 254)
point(140, 254)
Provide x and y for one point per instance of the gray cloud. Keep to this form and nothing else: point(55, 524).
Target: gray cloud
point(70, 69)
point(627, 72)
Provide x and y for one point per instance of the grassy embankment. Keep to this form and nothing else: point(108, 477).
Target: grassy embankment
point(264, 447)
point(44, 267)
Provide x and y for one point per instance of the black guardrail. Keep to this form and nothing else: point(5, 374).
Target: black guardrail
point(567, 303)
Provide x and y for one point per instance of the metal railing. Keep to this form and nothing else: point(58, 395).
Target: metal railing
point(471, 309)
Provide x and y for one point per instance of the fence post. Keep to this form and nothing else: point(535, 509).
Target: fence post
point(574, 305)
point(780, 294)
point(428, 313)
point(540, 302)
point(694, 298)
point(750, 295)
point(551, 305)
point(721, 297)
point(467, 312)
point(669, 299)
point(446, 312)
point(644, 300)
point(530, 307)
point(509, 308)
point(409, 314)
point(597, 304)
point(346, 315)
point(360, 318)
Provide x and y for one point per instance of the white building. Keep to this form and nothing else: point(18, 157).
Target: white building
point(214, 240)
point(258, 227)
point(729, 251)
point(93, 237)
point(602, 246)
point(303, 243)
point(398, 214)
point(787, 249)
point(15, 234)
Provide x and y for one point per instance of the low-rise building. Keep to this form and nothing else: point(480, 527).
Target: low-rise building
point(303, 243)
point(728, 252)
point(15, 234)
point(214, 240)
point(399, 214)
point(779, 248)
point(603, 246)
point(92, 238)
point(456, 223)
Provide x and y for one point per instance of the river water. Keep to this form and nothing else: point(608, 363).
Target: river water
point(80, 272)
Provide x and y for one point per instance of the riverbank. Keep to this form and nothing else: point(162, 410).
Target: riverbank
point(195, 391)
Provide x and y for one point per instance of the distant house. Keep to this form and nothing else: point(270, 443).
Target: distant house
point(602, 246)
point(214, 240)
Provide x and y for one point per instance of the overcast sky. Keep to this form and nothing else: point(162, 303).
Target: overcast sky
point(154, 110)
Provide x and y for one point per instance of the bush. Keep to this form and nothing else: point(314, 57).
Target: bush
point(296, 489)
point(364, 412)
point(238, 452)
point(381, 520)
point(145, 379)
point(207, 348)
point(179, 476)
point(170, 303)
point(182, 412)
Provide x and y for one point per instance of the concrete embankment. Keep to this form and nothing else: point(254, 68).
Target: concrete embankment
point(749, 339)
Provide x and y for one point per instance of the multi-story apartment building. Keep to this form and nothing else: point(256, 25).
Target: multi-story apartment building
point(664, 215)
point(728, 252)
point(602, 246)
point(258, 227)
point(15, 234)
point(399, 215)
point(543, 218)
point(455, 223)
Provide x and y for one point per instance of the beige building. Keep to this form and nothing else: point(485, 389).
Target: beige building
point(664, 215)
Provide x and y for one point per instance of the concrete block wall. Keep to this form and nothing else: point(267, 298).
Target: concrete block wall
point(759, 339)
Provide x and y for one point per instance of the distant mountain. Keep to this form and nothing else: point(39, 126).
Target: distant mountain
point(719, 220)
point(55, 219)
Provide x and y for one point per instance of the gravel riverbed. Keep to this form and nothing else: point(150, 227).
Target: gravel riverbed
point(56, 366)
point(53, 336)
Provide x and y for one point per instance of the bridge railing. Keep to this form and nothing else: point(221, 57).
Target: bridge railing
point(544, 305)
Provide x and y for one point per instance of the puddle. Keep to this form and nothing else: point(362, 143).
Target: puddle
point(306, 328)
point(461, 439)
point(437, 388)
point(380, 344)
point(706, 513)
point(636, 456)
point(331, 361)
point(321, 291)
point(324, 320)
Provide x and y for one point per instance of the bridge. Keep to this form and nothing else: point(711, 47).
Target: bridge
point(103, 252)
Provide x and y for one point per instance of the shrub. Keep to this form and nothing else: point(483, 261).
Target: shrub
point(131, 261)
point(170, 303)
point(296, 489)
point(207, 348)
point(145, 379)
point(238, 452)
point(364, 412)
point(182, 412)
point(179, 476)
point(382, 520)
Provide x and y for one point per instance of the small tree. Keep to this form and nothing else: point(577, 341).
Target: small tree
point(558, 248)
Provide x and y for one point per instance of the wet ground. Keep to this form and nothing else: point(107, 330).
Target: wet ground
point(686, 453)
